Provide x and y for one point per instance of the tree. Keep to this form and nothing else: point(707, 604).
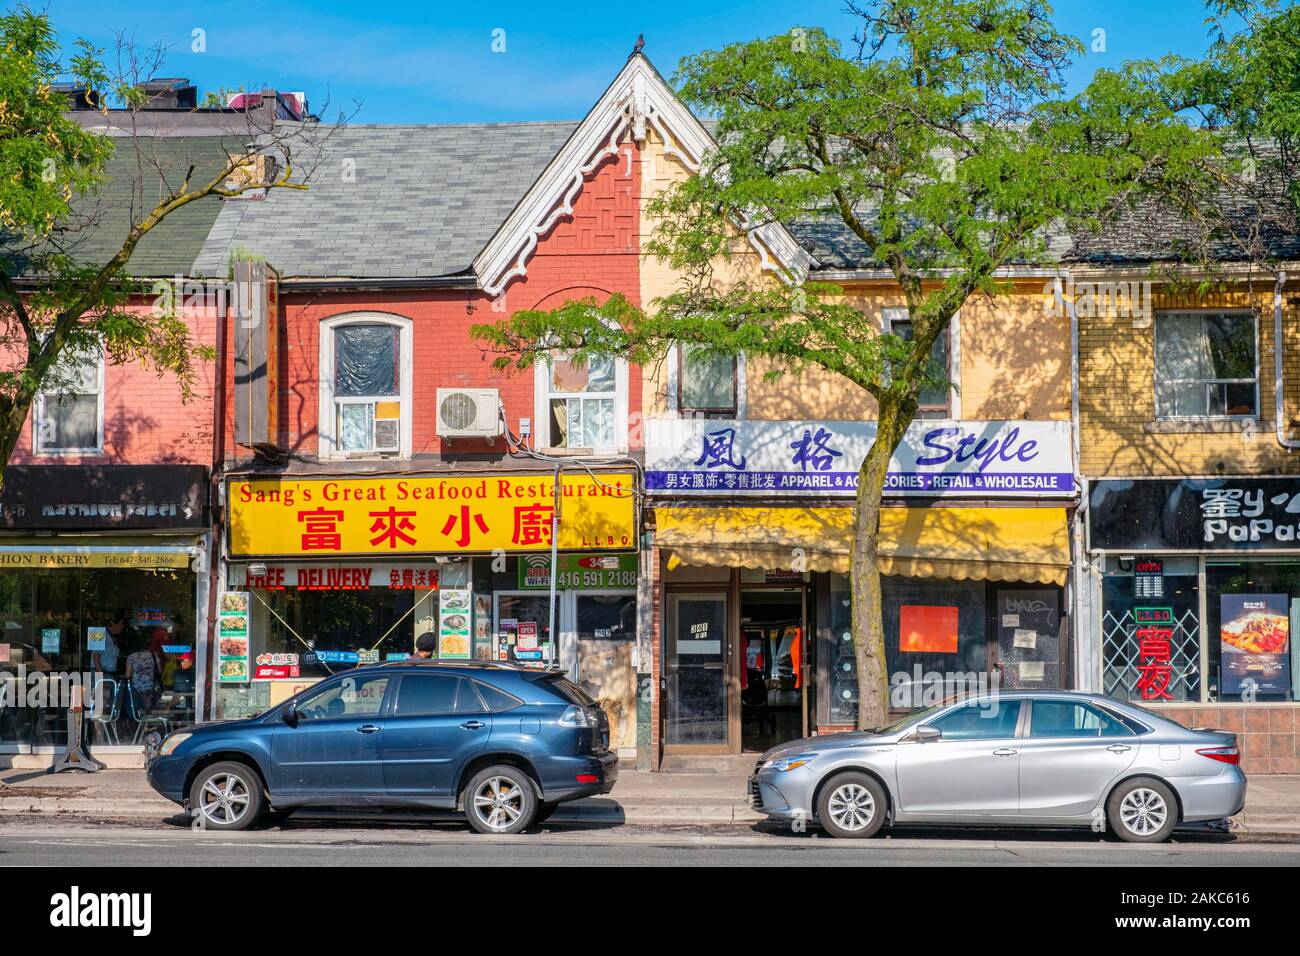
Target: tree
point(945, 144)
point(58, 303)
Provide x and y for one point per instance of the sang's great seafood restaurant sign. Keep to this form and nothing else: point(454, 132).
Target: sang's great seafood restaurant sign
point(335, 517)
point(940, 457)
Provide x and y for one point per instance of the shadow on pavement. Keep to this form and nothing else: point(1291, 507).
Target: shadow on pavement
point(1079, 835)
point(607, 816)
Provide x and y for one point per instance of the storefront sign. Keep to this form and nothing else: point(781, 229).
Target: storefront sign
point(1148, 579)
point(945, 458)
point(1195, 514)
point(579, 571)
point(51, 638)
point(276, 666)
point(315, 517)
point(1154, 634)
point(454, 613)
point(104, 497)
point(232, 637)
point(330, 577)
point(1255, 635)
point(55, 556)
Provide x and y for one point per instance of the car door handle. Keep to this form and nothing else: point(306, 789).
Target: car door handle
point(1005, 752)
point(473, 725)
point(1119, 748)
point(367, 729)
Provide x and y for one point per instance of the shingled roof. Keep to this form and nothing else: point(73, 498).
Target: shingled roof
point(389, 201)
point(138, 175)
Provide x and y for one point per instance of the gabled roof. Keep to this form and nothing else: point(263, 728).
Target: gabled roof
point(388, 201)
point(637, 99)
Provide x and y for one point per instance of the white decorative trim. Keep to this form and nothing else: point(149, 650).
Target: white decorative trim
point(638, 99)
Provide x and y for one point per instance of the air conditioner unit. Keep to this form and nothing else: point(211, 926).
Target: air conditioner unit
point(469, 413)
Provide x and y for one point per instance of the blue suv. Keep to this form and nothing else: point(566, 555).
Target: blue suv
point(503, 743)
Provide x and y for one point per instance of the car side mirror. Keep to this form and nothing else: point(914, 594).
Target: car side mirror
point(927, 735)
point(290, 714)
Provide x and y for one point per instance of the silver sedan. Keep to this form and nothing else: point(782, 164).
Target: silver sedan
point(1028, 758)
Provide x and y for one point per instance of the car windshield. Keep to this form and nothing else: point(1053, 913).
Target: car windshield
point(902, 723)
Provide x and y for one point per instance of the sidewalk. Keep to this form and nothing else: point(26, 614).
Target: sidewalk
point(639, 799)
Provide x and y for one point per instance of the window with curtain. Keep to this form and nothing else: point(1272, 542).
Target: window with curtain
point(706, 384)
point(67, 412)
point(1206, 364)
point(582, 403)
point(367, 387)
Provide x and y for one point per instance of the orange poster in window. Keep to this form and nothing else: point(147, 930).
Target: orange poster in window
point(926, 627)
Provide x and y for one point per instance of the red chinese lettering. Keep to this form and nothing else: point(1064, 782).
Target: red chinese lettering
point(320, 530)
point(464, 519)
point(391, 526)
point(532, 525)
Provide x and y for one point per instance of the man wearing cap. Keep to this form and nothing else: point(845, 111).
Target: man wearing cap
point(425, 645)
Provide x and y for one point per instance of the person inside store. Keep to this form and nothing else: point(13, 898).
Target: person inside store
point(425, 645)
point(179, 698)
point(119, 632)
point(142, 672)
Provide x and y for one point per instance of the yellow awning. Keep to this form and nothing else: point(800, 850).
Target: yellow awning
point(995, 544)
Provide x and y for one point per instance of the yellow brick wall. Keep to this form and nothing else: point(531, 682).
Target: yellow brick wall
point(1119, 434)
point(1015, 357)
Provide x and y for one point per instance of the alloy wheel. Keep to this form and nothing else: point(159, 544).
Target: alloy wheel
point(224, 798)
point(852, 807)
point(1143, 811)
point(498, 802)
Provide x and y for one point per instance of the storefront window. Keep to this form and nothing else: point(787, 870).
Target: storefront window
point(936, 643)
point(127, 633)
point(1252, 609)
point(523, 623)
point(1151, 649)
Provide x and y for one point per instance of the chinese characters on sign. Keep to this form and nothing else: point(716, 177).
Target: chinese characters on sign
point(1238, 514)
point(1154, 634)
point(686, 456)
point(425, 515)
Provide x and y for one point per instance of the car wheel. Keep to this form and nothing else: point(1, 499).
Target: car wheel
point(1142, 811)
point(851, 805)
point(500, 800)
point(227, 796)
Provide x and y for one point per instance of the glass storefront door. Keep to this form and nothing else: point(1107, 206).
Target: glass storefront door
point(697, 698)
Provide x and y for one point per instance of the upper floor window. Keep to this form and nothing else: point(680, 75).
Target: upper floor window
point(706, 384)
point(584, 405)
point(366, 391)
point(1206, 364)
point(933, 402)
point(69, 413)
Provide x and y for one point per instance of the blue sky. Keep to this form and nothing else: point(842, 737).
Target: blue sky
point(433, 62)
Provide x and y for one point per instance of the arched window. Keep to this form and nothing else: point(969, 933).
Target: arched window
point(365, 386)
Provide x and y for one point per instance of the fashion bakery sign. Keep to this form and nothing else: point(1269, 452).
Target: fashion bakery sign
point(939, 457)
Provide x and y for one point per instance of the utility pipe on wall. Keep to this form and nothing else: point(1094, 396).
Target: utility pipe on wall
point(1279, 428)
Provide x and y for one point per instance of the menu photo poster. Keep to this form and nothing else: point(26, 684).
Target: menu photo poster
point(454, 612)
point(483, 637)
point(1255, 638)
point(233, 651)
point(96, 638)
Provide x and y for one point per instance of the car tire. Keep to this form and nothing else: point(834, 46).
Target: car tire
point(227, 796)
point(1142, 810)
point(852, 805)
point(500, 799)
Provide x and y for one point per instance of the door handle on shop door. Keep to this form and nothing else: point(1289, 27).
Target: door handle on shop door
point(1005, 752)
point(473, 725)
point(367, 729)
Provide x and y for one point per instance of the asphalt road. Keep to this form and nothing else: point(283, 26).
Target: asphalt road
point(32, 841)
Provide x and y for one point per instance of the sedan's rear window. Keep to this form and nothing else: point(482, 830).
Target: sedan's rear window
point(568, 690)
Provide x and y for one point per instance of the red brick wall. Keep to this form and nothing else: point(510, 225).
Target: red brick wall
point(1266, 733)
point(595, 253)
point(145, 419)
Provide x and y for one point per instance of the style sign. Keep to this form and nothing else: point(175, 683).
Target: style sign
point(456, 514)
point(1255, 636)
point(935, 457)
